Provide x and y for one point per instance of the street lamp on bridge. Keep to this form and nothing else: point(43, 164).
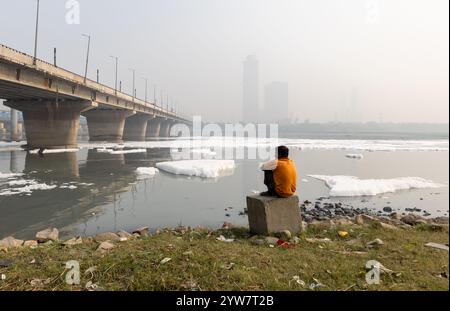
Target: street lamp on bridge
point(117, 64)
point(134, 80)
point(146, 88)
point(36, 33)
point(87, 55)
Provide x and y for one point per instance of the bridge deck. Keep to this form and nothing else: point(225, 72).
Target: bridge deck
point(21, 79)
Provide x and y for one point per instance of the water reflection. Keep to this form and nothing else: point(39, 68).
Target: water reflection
point(83, 187)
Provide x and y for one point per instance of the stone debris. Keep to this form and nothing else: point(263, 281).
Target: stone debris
point(11, 242)
point(388, 226)
point(284, 234)
point(375, 243)
point(107, 236)
point(105, 246)
point(413, 220)
point(30, 244)
point(5, 263)
point(143, 231)
point(317, 240)
point(271, 240)
point(125, 234)
point(50, 234)
point(73, 241)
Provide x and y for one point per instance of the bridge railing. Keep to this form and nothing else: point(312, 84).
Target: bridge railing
point(17, 57)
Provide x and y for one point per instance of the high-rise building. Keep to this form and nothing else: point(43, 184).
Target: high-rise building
point(250, 90)
point(276, 102)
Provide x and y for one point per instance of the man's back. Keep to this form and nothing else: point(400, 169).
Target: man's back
point(285, 177)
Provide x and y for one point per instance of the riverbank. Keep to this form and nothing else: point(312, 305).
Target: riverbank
point(328, 255)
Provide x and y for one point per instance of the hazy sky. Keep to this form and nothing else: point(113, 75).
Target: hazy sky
point(347, 59)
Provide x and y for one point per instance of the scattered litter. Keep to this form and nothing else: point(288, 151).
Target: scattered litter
point(90, 271)
point(165, 260)
point(316, 284)
point(297, 280)
point(223, 239)
point(5, 263)
point(316, 240)
point(3, 277)
point(284, 244)
point(39, 282)
point(228, 266)
point(188, 253)
point(375, 243)
point(92, 287)
point(190, 285)
point(438, 246)
point(343, 234)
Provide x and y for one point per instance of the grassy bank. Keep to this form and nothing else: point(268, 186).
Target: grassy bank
point(199, 261)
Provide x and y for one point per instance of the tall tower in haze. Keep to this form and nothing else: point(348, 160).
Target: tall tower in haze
point(251, 90)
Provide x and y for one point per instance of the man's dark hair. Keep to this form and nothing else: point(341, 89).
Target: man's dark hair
point(283, 152)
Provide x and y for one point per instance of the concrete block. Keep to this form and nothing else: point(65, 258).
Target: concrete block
point(269, 214)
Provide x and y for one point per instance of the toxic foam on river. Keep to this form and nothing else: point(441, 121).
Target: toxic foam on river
point(206, 143)
point(198, 168)
point(349, 186)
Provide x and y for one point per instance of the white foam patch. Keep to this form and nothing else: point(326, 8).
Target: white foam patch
point(354, 156)
point(28, 186)
point(50, 151)
point(11, 146)
point(146, 172)
point(349, 186)
point(113, 151)
point(66, 186)
point(199, 168)
point(9, 175)
point(303, 144)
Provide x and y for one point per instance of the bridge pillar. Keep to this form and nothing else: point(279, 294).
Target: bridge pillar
point(154, 127)
point(106, 124)
point(136, 127)
point(165, 128)
point(50, 124)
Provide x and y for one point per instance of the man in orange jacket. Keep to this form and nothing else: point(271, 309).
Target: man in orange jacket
point(280, 176)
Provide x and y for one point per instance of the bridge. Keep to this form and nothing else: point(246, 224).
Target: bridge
point(52, 100)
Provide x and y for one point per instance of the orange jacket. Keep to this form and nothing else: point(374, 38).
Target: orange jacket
point(285, 177)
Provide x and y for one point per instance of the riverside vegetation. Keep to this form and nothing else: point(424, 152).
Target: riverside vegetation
point(327, 255)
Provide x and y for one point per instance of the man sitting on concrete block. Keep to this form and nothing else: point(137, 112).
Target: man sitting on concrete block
point(276, 209)
point(280, 176)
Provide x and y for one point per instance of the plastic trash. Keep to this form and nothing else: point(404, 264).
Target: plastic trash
point(343, 234)
point(223, 239)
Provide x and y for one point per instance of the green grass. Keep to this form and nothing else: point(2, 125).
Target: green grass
point(215, 265)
